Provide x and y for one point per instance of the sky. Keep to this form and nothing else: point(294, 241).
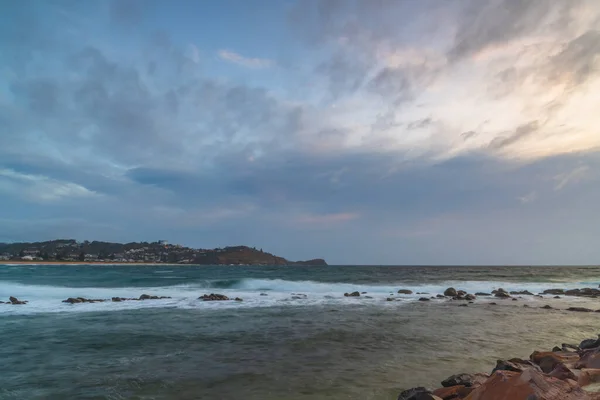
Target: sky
point(363, 132)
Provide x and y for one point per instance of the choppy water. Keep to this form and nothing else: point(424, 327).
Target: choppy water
point(269, 347)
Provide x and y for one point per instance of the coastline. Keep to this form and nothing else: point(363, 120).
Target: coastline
point(20, 262)
point(559, 374)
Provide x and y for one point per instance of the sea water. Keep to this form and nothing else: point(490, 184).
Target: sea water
point(294, 336)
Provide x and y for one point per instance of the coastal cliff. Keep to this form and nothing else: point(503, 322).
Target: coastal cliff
point(69, 250)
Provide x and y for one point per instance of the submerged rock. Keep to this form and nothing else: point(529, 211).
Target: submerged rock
point(502, 294)
point(424, 299)
point(579, 309)
point(213, 297)
point(13, 300)
point(470, 297)
point(264, 294)
point(482, 294)
point(547, 307)
point(450, 292)
point(76, 300)
point(526, 292)
point(418, 393)
point(405, 291)
point(353, 294)
point(553, 291)
point(238, 299)
point(148, 297)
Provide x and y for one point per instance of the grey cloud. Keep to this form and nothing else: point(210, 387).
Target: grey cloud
point(487, 23)
point(420, 124)
point(522, 131)
point(578, 59)
point(468, 135)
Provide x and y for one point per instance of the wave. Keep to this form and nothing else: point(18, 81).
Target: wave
point(279, 292)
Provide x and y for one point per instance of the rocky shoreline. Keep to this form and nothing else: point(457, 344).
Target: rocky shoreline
point(450, 294)
point(559, 374)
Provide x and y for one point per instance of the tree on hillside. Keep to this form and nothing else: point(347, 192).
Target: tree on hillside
point(82, 256)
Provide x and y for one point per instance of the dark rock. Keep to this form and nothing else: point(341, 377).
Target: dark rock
point(493, 304)
point(264, 294)
point(547, 307)
point(405, 291)
point(464, 305)
point(514, 299)
point(556, 348)
point(589, 343)
point(116, 299)
point(213, 297)
point(368, 297)
point(440, 296)
point(515, 364)
point(238, 299)
point(553, 291)
point(424, 299)
point(525, 305)
point(15, 301)
point(579, 309)
point(450, 292)
point(467, 380)
point(526, 292)
point(470, 297)
point(562, 372)
point(471, 302)
point(363, 292)
point(572, 292)
point(418, 393)
point(390, 299)
point(502, 295)
point(353, 294)
point(76, 300)
point(482, 294)
point(144, 297)
point(461, 293)
point(557, 297)
point(499, 290)
point(458, 297)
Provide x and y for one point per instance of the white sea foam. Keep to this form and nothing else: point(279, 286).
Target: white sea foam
point(44, 299)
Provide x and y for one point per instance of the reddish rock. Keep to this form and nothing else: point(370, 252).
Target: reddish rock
point(450, 393)
point(527, 385)
point(548, 360)
point(562, 372)
point(589, 359)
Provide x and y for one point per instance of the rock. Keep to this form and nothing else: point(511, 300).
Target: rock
point(579, 309)
point(499, 290)
point(493, 304)
point(470, 297)
point(424, 299)
point(450, 392)
point(467, 380)
point(418, 393)
point(527, 385)
point(15, 301)
point(213, 297)
point(144, 297)
point(117, 299)
point(526, 305)
point(450, 292)
point(482, 294)
point(515, 364)
point(553, 291)
point(547, 307)
point(390, 299)
point(502, 295)
point(368, 297)
point(589, 359)
point(562, 372)
point(353, 294)
point(76, 300)
point(589, 343)
point(238, 299)
point(464, 305)
point(439, 296)
point(264, 294)
point(405, 291)
point(556, 348)
point(548, 360)
point(570, 347)
point(148, 297)
point(515, 300)
point(526, 292)
point(461, 293)
point(557, 297)
point(363, 292)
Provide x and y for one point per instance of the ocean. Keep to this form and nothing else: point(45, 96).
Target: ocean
point(294, 335)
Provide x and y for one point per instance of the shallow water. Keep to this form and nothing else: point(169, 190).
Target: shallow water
point(269, 347)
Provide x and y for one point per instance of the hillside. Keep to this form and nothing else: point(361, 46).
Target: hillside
point(159, 252)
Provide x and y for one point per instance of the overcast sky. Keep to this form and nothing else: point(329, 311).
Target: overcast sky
point(369, 132)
